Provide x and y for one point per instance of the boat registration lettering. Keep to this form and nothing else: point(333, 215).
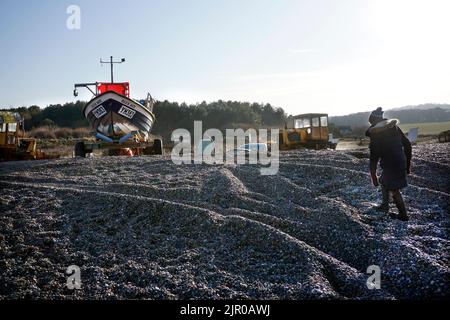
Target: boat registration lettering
point(127, 112)
point(99, 112)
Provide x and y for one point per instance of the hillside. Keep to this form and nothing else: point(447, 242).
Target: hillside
point(417, 114)
point(425, 106)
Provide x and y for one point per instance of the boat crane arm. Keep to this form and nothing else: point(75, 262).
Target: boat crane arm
point(85, 85)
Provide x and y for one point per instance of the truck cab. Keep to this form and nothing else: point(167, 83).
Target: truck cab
point(13, 143)
point(10, 128)
point(305, 130)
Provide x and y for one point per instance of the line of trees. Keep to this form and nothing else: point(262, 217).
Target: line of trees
point(169, 115)
point(68, 115)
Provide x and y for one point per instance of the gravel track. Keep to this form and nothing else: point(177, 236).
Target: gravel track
point(146, 228)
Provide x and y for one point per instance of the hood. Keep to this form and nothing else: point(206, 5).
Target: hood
point(383, 125)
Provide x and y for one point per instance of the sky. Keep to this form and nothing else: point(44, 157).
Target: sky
point(337, 57)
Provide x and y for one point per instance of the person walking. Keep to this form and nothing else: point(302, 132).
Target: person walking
point(391, 148)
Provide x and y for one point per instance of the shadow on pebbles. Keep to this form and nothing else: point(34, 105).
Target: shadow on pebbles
point(146, 228)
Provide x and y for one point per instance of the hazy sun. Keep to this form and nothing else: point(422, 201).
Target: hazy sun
point(411, 22)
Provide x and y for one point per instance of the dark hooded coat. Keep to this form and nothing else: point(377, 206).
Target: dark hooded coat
point(390, 147)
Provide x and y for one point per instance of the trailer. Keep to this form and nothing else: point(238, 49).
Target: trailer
point(128, 148)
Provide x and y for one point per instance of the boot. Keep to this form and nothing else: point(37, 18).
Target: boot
point(400, 204)
point(384, 206)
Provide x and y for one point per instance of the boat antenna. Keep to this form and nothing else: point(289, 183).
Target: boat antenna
point(111, 62)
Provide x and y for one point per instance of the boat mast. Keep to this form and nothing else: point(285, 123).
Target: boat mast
point(111, 62)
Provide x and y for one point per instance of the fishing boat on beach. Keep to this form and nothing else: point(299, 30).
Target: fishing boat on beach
point(118, 121)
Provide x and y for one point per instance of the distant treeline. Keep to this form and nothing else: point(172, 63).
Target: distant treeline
point(68, 115)
point(221, 115)
point(169, 115)
point(415, 115)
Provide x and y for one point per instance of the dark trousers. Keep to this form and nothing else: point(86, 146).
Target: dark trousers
point(398, 200)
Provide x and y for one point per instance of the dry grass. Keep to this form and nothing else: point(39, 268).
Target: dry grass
point(59, 133)
point(427, 128)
